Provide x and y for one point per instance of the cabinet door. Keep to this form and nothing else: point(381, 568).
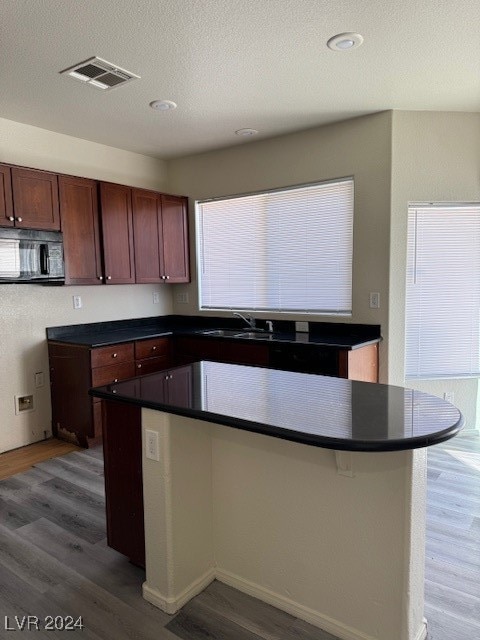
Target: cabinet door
point(81, 237)
point(117, 231)
point(147, 235)
point(35, 197)
point(122, 450)
point(175, 239)
point(6, 202)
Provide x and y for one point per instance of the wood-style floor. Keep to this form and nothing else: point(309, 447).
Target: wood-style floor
point(452, 586)
point(18, 460)
point(54, 561)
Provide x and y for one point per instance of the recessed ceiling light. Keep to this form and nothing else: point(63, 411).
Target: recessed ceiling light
point(246, 132)
point(345, 41)
point(163, 105)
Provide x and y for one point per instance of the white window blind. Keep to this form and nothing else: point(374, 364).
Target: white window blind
point(285, 250)
point(443, 292)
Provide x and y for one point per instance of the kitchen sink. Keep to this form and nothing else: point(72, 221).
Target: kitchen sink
point(231, 333)
point(254, 335)
point(237, 333)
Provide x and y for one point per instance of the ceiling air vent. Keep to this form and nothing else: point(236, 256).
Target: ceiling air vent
point(100, 73)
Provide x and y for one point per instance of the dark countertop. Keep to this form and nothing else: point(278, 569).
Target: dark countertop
point(325, 334)
point(327, 412)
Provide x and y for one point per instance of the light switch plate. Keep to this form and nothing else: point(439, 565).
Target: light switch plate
point(301, 327)
point(374, 300)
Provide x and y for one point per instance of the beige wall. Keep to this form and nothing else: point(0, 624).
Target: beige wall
point(359, 147)
point(435, 158)
point(26, 310)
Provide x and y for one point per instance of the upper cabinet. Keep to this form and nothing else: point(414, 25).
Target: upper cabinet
point(28, 199)
point(160, 237)
point(147, 220)
point(81, 235)
point(35, 199)
point(112, 233)
point(117, 231)
point(6, 201)
point(175, 239)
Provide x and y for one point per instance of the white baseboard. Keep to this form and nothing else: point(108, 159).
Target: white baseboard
point(336, 628)
point(422, 632)
point(172, 605)
point(330, 625)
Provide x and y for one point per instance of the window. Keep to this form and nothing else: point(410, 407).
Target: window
point(443, 291)
point(283, 250)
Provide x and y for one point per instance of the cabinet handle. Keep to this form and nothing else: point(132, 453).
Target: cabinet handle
point(19, 219)
point(109, 277)
point(164, 277)
point(139, 366)
point(167, 277)
point(11, 218)
point(114, 355)
point(115, 379)
point(100, 277)
point(154, 348)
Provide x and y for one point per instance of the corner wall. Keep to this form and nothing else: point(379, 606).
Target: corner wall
point(435, 157)
point(360, 147)
point(26, 310)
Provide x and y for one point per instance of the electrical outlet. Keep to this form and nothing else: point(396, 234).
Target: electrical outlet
point(77, 302)
point(156, 297)
point(151, 445)
point(182, 298)
point(374, 300)
point(449, 396)
point(39, 379)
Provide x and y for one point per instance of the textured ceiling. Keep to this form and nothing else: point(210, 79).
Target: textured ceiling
point(231, 64)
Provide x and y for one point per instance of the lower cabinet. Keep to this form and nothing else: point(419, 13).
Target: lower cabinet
point(74, 369)
point(122, 451)
point(356, 364)
point(187, 349)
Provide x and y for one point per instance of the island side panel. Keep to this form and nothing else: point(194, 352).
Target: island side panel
point(178, 510)
point(345, 554)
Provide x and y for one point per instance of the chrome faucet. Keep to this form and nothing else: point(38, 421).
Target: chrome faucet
point(250, 320)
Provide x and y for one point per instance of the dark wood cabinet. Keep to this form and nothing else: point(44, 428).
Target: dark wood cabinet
point(147, 220)
point(74, 369)
point(35, 199)
point(160, 237)
point(117, 233)
point(122, 450)
point(356, 364)
point(81, 234)
point(190, 349)
point(6, 201)
point(152, 355)
point(175, 255)
point(113, 234)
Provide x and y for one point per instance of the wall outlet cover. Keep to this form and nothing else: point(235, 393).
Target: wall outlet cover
point(24, 404)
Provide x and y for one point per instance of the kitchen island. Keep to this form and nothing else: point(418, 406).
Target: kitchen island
point(305, 491)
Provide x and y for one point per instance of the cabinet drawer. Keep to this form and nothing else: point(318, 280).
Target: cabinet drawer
point(112, 373)
point(150, 365)
point(152, 348)
point(112, 355)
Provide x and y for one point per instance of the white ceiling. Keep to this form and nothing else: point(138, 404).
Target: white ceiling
point(231, 64)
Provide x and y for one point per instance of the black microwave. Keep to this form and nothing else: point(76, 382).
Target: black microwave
point(27, 255)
